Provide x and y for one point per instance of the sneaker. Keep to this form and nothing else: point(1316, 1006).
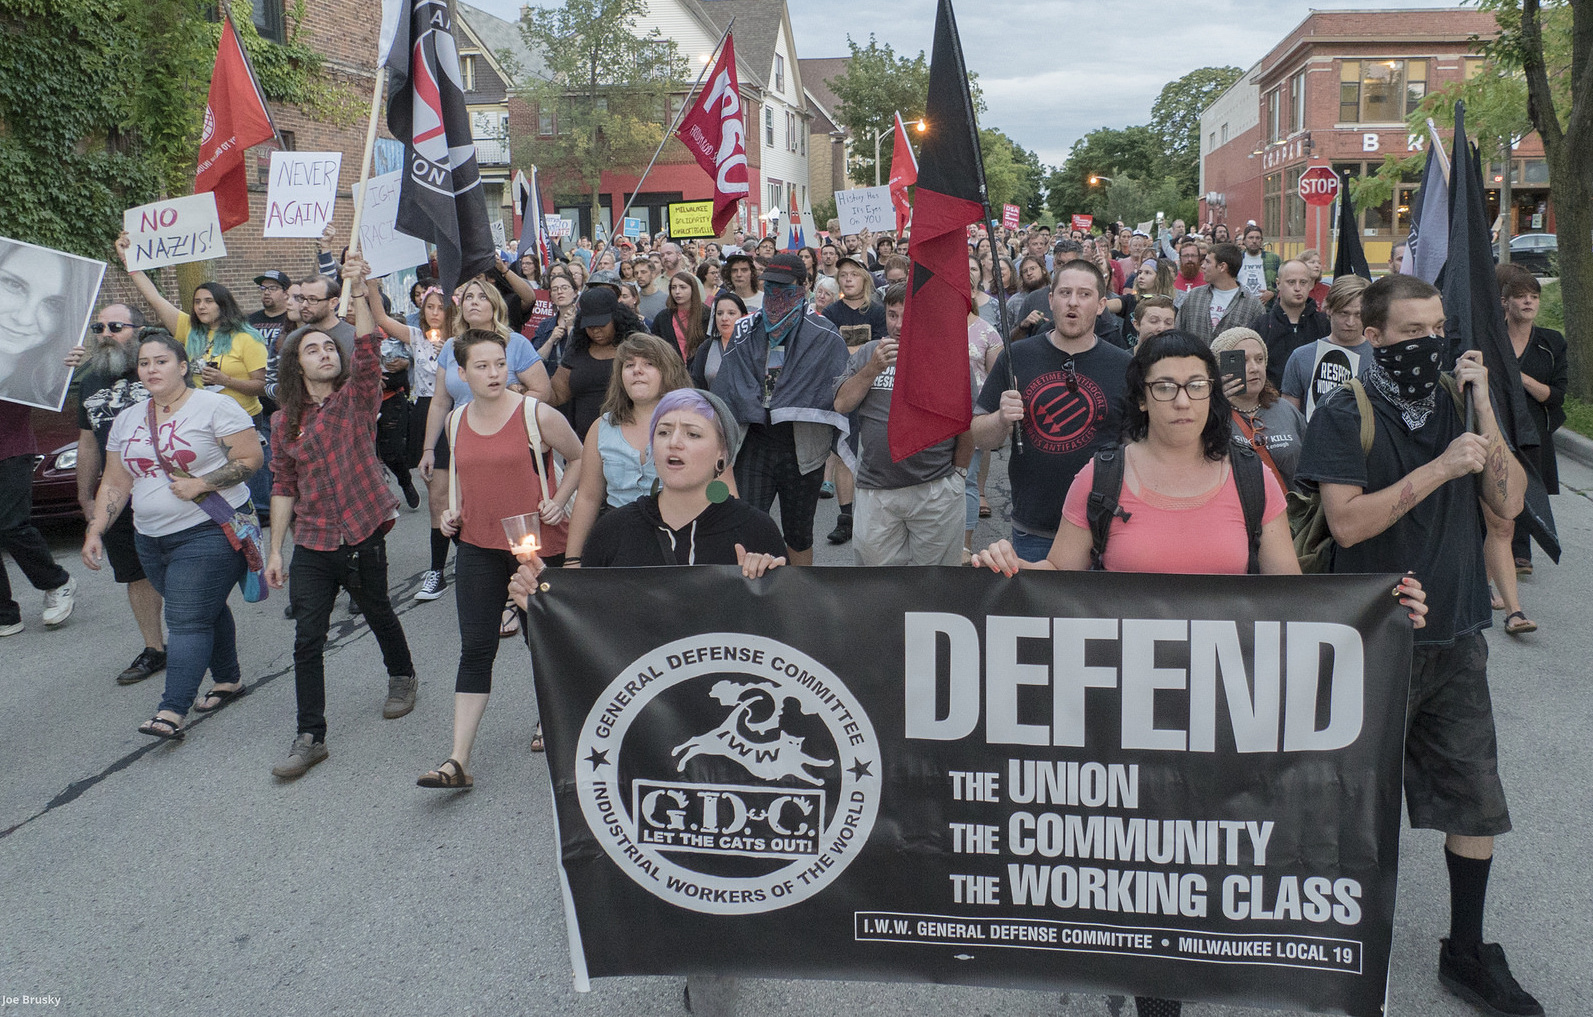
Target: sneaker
point(843, 530)
point(148, 663)
point(400, 695)
point(58, 603)
point(411, 496)
point(354, 607)
point(432, 586)
point(827, 489)
point(1482, 978)
point(11, 629)
point(305, 753)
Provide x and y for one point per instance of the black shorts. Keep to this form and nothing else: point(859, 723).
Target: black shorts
point(121, 551)
point(767, 467)
point(1451, 753)
point(417, 431)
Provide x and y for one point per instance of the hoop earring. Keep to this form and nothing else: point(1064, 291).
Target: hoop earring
point(719, 467)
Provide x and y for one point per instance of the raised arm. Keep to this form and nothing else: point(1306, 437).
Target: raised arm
point(165, 310)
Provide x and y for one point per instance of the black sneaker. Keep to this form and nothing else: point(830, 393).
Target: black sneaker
point(411, 496)
point(1482, 978)
point(843, 530)
point(432, 586)
point(148, 663)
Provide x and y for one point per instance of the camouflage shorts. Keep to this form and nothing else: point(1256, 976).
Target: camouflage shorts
point(1451, 754)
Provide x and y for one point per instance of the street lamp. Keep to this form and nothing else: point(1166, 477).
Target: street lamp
point(918, 125)
point(1096, 180)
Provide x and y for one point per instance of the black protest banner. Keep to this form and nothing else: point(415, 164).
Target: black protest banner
point(1177, 786)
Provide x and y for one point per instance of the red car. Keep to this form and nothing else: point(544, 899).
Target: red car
point(55, 468)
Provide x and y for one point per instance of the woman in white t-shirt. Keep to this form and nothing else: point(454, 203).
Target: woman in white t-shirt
point(425, 345)
point(207, 444)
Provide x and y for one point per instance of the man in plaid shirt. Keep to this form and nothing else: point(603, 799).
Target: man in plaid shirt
point(330, 488)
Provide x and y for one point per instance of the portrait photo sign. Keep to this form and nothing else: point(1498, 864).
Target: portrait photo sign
point(46, 300)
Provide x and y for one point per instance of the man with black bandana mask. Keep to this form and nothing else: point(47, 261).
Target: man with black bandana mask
point(1411, 503)
point(777, 377)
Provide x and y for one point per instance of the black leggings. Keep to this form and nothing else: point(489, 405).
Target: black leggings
point(481, 588)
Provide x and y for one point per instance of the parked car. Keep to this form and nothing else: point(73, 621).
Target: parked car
point(1538, 253)
point(55, 467)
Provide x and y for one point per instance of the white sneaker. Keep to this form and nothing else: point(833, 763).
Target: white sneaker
point(10, 630)
point(432, 586)
point(58, 603)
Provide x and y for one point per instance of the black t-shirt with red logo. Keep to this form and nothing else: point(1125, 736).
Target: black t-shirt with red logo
point(1072, 406)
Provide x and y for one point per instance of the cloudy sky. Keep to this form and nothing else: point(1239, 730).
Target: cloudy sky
point(1053, 70)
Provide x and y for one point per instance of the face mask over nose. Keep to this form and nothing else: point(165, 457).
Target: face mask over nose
point(1413, 364)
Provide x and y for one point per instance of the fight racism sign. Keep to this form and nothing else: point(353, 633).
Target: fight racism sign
point(1165, 785)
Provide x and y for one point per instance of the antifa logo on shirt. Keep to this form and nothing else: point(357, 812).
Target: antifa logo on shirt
point(1065, 409)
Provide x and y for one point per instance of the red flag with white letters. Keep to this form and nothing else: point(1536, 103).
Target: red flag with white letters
point(715, 132)
point(235, 118)
point(904, 174)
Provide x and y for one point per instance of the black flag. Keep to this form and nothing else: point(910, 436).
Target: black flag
point(1350, 259)
point(440, 197)
point(1476, 322)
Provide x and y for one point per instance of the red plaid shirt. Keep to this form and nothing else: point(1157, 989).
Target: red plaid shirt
point(331, 467)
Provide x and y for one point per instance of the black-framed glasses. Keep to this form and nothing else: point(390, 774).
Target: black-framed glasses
point(116, 327)
point(1197, 389)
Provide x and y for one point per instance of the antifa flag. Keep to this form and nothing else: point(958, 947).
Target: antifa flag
point(1428, 246)
point(1179, 786)
point(904, 174)
point(533, 226)
point(1350, 259)
point(235, 118)
point(932, 400)
point(440, 197)
point(1475, 321)
point(714, 131)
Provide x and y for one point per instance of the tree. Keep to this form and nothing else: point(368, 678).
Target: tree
point(607, 88)
point(102, 101)
point(1175, 119)
point(1031, 191)
point(1132, 199)
point(1011, 174)
point(1105, 152)
point(876, 85)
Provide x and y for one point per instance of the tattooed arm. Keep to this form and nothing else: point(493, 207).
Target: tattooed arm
point(1355, 515)
point(116, 487)
point(244, 457)
point(1503, 482)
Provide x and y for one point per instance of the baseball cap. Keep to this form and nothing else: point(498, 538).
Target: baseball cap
point(280, 278)
point(789, 269)
point(598, 305)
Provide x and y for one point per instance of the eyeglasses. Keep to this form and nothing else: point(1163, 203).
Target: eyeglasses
point(98, 328)
point(314, 300)
point(1197, 389)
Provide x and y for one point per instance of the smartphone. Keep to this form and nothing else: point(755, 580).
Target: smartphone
point(1231, 365)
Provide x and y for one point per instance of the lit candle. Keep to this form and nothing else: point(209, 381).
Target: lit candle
point(527, 546)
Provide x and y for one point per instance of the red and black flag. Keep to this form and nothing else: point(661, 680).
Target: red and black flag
point(440, 198)
point(933, 396)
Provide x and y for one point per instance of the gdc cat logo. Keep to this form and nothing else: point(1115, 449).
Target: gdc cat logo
point(729, 774)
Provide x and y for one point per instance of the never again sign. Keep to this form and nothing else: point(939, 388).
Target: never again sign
point(302, 193)
point(173, 232)
point(1176, 786)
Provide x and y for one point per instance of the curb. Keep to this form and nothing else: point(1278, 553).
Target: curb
point(1574, 446)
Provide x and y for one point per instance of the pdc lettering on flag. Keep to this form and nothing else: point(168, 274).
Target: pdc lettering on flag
point(714, 133)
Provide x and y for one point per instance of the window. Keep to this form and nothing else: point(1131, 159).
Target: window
point(790, 133)
point(1475, 66)
point(545, 126)
point(1273, 120)
point(802, 135)
point(1380, 91)
point(1272, 204)
point(1293, 204)
point(779, 73)
point(1211, 142)
point(290, 141)
point(268, 20)
point(1380, 220)
point(776, 189)
point(467, 72)
point(768, 126)
point(1224, 134)
point(1297, 104)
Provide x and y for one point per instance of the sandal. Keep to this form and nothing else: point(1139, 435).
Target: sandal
point(449, 774)
point(173, 728)
point(510, 623)
point(1519, 628)
point(1523, 567)
point(537, 744)
point(984, 509)
point(222, 698)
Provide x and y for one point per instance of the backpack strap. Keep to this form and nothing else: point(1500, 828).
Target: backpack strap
point(533, 433)
point(1447, 380)
point(1249, 478)
point(1363, 404)
point(1105, 492)
point(453, 459)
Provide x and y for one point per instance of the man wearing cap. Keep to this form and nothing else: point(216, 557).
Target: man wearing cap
point(271, 321)
point(777, 377)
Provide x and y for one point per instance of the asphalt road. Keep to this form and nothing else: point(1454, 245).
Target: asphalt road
point(142, 877)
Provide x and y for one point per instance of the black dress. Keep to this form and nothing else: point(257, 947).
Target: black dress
point(588, 387)
point(1545, 359)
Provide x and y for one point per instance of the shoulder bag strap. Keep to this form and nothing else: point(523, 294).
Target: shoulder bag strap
point(1251, 484)
point(1260, 447)
point(533, 433)
point(1368, 421)
point(453, 459)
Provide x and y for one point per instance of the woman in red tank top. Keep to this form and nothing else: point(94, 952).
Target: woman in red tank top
point(495, 477)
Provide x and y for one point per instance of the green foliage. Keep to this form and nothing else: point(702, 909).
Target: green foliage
point(1012, 174)
point(1579, 416)
point(823, 212)
point(101, 103)
point(1175, 120)
point(1106, 152)
point(1133, 200)
point(876, 85)
point(1551, 309)
point(606, 85)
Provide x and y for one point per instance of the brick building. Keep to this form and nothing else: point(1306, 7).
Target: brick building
point(1335, 92)
point(829, 143)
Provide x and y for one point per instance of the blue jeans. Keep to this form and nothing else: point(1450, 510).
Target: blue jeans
point(1029, 546)
point(194, 570)
point(971, 488)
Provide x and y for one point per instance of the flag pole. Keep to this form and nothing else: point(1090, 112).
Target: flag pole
point(365, 173)
point(706, 67)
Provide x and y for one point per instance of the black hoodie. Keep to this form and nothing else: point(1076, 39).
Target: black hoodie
point(636, 536)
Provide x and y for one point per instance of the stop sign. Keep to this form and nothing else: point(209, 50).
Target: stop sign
point(1319, 185)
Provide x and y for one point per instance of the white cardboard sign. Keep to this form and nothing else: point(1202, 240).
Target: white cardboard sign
point(558, 226)
point(865, 208)
point(173, 232)
point(302, 193)
point(382, 246)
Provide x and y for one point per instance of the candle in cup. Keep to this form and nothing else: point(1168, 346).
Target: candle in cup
point(526, 547)
point(435, 338)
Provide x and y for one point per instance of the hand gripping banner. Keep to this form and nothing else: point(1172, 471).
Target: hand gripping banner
point(1176, 786)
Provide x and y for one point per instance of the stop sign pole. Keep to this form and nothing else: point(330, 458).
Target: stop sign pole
point(1319, 185)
